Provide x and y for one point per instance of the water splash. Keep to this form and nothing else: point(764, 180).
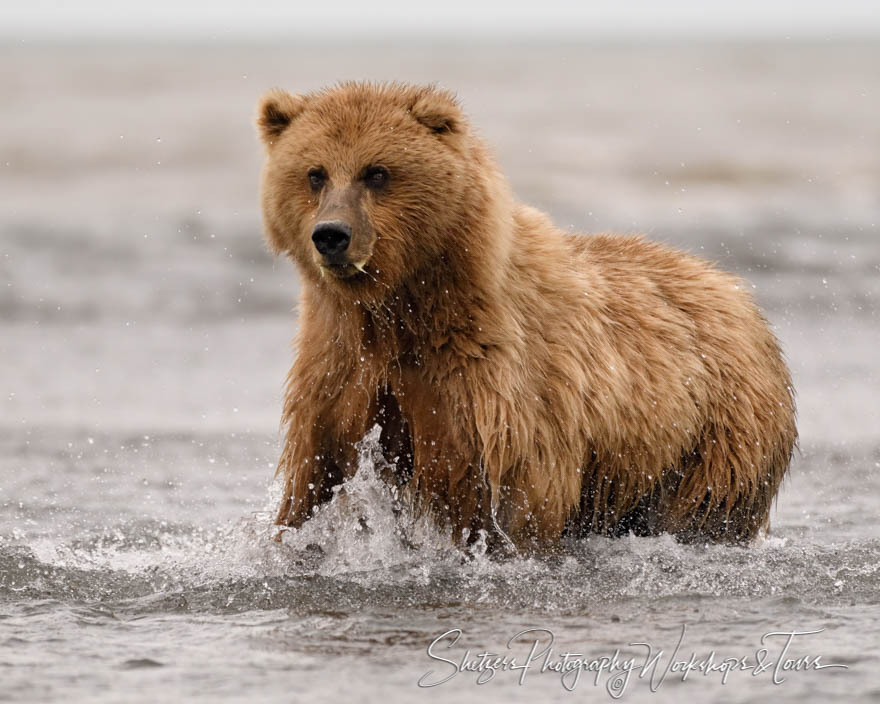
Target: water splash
point(366, 526)
point(365, 546)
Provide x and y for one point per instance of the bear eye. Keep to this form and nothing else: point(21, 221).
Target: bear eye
point(376, 177)
point(317, 178)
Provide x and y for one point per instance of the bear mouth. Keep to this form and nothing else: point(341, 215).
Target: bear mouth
point(344, 271)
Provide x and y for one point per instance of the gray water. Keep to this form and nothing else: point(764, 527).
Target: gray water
point(145, 337)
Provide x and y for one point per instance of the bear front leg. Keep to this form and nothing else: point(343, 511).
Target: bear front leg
point(446, 482)
point(308, 471)
point(450, 483)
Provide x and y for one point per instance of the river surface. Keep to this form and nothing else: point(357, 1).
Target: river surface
point(144, 338)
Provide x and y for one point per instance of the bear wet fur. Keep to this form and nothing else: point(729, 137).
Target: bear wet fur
point(530, 382)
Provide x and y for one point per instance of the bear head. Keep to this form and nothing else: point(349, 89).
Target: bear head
point(365, 184)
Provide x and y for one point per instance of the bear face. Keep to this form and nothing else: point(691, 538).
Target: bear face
point(363, 183)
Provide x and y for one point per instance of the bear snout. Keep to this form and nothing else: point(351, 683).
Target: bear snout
point(331, 237)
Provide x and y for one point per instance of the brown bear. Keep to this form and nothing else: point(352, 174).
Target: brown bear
point(529, 382)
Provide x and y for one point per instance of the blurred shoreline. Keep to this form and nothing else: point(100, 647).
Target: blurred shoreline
point(336, 41)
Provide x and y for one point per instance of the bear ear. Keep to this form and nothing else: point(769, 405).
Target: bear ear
point(438, 111)
point(275, 111)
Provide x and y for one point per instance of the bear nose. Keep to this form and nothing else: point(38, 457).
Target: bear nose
point(331, 237)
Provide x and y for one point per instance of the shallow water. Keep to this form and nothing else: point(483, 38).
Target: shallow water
point(145, 339)
point(115, 585)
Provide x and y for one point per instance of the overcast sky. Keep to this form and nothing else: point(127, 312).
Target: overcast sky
point(34, 20)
